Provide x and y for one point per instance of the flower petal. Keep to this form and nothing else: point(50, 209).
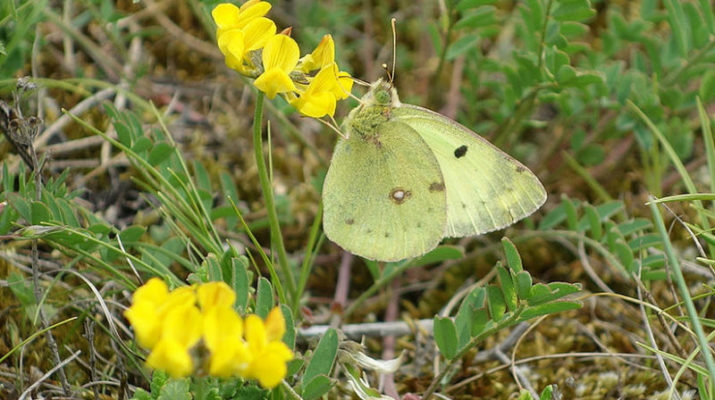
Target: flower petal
point(269, 369)
point(252, 9)
point(258, 32)
point(315, 105)
point(221, 324)
point(145, 321)
point(281, 52)
point(169, 355)
point(183, 324)
point(215, 294)
point(231, 44)
point(275, 325)
point(225, 15)
point(154, 290)
point(324, 54)
point(274, 81)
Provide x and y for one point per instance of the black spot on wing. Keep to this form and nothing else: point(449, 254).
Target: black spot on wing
point(520, 169)
point(436, 186)
point(460, 151)
point(349, 221)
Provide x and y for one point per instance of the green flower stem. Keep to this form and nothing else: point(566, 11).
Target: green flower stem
point(683, 288)
point(276, 237)
point(504, 323)
point(310, 252)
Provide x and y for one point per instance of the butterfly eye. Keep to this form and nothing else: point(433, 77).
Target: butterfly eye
point(382, 97)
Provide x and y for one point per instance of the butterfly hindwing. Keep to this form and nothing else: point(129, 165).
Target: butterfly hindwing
point(486, 188)
point(384, 195)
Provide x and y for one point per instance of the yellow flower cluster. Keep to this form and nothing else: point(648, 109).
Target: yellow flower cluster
point(171, 324)
point(312, 84)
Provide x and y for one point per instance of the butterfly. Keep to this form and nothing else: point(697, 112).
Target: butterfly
point(405, 177)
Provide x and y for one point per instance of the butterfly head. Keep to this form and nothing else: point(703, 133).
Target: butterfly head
point(374, 109)
point(382, 93)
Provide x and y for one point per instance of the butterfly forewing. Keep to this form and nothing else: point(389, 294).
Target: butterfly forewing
point(486, 188)
point(384, 196)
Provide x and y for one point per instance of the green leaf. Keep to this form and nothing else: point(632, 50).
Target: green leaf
point(707, 87)
point(573, 10)
point(323, 358)
point(40, 213)
point(294, 365)
point(574, 30)
point(535, 16)
point(548, 308)
point(175, 389)
point(123, 134)
point(553, 217)
point(645, 242)
point(593, 221)
point(584, 79)
point(240, 282)
point(67, 213)
point(547, 393)
point(438, 255)
point(203, 180)
point(481, 317)
point(676, 19)
point(541, 293)
point(141, 394)
point(317, 387)
point(555, 58)
point(507, 287)
point(523, 283)
point(289, 335)
point(469, 4)
point(565, 75)
point(374, 269)
point(213, 268)
point(570, 210)
point(159, 153)
point(445, 335)
point(633, 226)
point(466, 314)
point(591, 154)
point(132, 234)
point(264, 298)
point(513, 259)
point(481, 17)
point(141, 145)
point(625, 255)
point(495, 302)
point(462, 45)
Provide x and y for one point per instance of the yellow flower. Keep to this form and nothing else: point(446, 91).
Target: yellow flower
point(269, 355)
point(323, 55)
point(227, 16)
point(236, 44)
point(280, 56)
point(328, 86)
point(275, 325)
point(215, 294)
point(223, 333)
point(181, 330)
point(143, 314)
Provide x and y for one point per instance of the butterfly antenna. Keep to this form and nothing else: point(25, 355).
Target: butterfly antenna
point(393, 21)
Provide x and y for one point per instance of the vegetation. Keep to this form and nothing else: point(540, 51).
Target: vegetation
point(130, 150)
